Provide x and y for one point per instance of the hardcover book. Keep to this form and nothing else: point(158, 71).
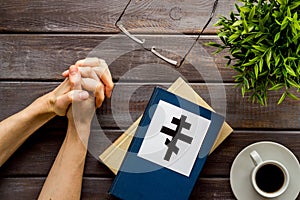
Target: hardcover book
point(113, 156)
point(169, 149)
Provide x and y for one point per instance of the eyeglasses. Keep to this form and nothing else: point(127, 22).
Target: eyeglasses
point(175, 15)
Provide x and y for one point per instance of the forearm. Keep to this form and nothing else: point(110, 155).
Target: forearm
point(17, 128)
point(65, 177)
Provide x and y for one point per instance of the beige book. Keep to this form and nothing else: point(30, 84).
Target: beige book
point(113, 156)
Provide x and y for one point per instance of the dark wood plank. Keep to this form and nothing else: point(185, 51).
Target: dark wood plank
point(240, 113)
point(116, 113)
point(42, 148)
point(29, 188)
point(45, 57)
point(100, 16)
point(187, 16)
point(225, 154)
point(60, 16)
point(44, 145)
point(13, 99)
point(97, 188)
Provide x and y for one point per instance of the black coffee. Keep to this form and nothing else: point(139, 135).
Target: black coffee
point(269, 178)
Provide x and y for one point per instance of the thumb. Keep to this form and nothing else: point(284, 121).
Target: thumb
point(63, 102)
point(77, 95)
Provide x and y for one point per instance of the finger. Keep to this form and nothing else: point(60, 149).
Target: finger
point(89, 84)
point(63, 88)
point(63, 101)
point(88, 72)
point(84, 72)
point(77, 95)
point(75, 78)
point(65, 73)
point(102, 71)
point(107, 81)
point(89, 62)
point(96, 87)
point(99, 94)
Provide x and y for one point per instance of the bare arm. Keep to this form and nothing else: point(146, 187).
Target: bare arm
point(65, 178)
point(17, 128)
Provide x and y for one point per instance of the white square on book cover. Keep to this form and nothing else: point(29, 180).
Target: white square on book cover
point(173, 138)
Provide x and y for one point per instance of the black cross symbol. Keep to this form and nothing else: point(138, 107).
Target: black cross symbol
point(176, 135)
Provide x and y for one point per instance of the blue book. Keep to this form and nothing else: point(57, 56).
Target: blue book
point(168, 151)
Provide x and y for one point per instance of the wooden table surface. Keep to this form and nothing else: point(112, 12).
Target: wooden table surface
point(39, 39)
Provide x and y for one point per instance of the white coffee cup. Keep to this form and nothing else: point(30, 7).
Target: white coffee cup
point(269, 178)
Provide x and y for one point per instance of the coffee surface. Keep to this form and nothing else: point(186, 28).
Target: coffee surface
point(269, 178)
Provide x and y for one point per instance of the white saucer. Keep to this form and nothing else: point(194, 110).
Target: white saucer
point(242, 167)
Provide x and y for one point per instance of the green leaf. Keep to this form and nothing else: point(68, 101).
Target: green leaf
point(277, 86)
point(256, 71)
point(282, 2)
point(284, 23)
point(298, 49)
point(266, 17)
point(260, 48)
point(237, 23)
point(244, 9)
point(277, 36)
point(252, 13)
point(243, 91)
point(261, 65)
point(289, 14)
point(235, 51)
point(251, 62)
point(263, 39)
point(293, 83)
point(282, 98)
point(268, 58)
point(213, 44)
point(277, 60)
point(260, 99)
point(290, 70)
point(233, 37)
point(292, 96)
point(245, 25)
point(246, 83)
point(295, 4)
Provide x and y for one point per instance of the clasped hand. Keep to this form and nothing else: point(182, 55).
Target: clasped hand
point(87, 84)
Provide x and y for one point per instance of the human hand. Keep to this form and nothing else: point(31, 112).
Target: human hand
point(81, 112)
point(62, 96)
point(94, 70)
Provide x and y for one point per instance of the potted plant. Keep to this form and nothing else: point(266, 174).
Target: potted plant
point(263, 39)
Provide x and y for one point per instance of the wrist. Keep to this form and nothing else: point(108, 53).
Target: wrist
point(44, 105)
point(79, 131)
point(49, 101)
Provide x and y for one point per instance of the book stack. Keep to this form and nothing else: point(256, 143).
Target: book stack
point(162, 154)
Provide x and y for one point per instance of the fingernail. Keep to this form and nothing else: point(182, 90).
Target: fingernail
point(84, 95)
point(73, 70)
point(65, 73)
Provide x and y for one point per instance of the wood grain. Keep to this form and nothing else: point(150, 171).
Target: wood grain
point(240, 113)
point(45, 57)
point(97, 188)
point(169, 16)
point(44, 145)
point(60, 16)
point(100, 16)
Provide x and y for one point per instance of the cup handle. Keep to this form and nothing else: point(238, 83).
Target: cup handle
point(255, 158)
